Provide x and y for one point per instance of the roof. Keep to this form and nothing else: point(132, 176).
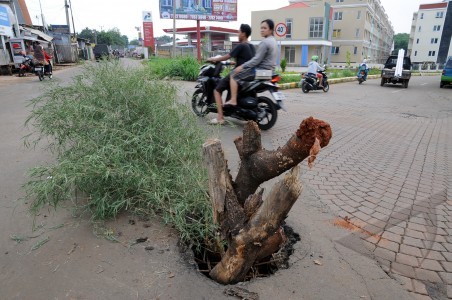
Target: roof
point(433, 5)
point(185, 30)
point(295, 5)
point(39, 33)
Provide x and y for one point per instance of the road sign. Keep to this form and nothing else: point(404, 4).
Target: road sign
point(281, 29)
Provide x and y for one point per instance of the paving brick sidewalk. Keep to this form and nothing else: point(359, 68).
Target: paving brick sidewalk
point(387, 171)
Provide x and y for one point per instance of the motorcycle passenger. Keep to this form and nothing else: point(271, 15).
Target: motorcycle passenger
point(242, 53)
point(39, 56)
point(363, 67)
point(313, 67)
point(265, 59)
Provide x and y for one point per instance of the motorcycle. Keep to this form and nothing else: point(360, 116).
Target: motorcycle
point(361, 74)
point(26, 65)
point(250, 106)
point(309, 82)
point(41, 71)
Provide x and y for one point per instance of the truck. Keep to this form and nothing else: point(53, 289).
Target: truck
point(389, 75)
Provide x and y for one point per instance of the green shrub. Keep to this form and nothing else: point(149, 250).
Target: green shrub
point(283, 64)
point(185, 68)
point(286, 78)
point(122, 140)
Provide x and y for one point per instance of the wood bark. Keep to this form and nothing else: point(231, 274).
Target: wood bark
point(250, 225)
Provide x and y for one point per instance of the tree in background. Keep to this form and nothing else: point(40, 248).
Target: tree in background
point(110, 37)
point(400, 42)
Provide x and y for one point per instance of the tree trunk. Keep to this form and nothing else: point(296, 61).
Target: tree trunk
point(250, 226)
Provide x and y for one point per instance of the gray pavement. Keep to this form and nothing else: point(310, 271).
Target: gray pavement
point(386, 171)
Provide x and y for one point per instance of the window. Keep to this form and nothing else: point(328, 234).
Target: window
point(434, 41)
point(440, 14)
point(417, 41)
point(316, 27)
point(357, 33)
point(338, 15)
point(415, 53)
point(289, 28)
point(419, 30)
point(358, 16)
point(422, 15)
point(167, 2)
point(340, 1)
point(336, 33)
point(431, 53)
point(334, 50)
point(289, 54)
point(437, 28)
point(355, 50)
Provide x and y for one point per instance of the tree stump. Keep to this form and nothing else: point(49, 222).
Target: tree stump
point(250, 225)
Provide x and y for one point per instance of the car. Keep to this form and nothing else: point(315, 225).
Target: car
point(388, 72)
point(102, 50)
point(446, 76)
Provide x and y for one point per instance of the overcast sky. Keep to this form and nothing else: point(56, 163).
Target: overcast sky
point(104, 15)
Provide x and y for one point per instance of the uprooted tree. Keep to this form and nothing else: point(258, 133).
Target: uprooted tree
point(249, 225)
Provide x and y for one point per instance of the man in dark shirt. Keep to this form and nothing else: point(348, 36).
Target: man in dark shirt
point(242, 53)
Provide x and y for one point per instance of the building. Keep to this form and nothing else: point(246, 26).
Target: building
point(430, 36)
point(307, 31)
point(339, 31)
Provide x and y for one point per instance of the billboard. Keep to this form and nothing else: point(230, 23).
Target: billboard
point(148, 30)
point(204, 10)
point(5, 24)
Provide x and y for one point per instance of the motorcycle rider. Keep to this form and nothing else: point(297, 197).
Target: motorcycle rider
point(242, 53)
point(265, 58)
point(313, 67)
point(363, 67)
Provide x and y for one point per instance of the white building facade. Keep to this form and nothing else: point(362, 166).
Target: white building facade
point(430, 36)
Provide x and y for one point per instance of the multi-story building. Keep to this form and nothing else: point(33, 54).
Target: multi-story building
point(431, 30)
point(307, 31)
point(339, 31)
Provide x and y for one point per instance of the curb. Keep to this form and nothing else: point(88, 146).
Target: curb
point(292, 85)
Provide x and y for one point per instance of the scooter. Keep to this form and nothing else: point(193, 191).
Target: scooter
point(309, 82)
point(250, 105)
point(361, 74)
point(41, 71)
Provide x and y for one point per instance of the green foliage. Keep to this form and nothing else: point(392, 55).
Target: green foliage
point(110, 37)
point(186, 68)
point(286, 78)
point(283, 64)
point(348, 59)
point(400, 42)
point(123, 140)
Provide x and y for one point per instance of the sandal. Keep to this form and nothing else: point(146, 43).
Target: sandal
point(214, 121)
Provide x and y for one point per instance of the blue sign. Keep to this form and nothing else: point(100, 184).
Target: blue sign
point(4, 19)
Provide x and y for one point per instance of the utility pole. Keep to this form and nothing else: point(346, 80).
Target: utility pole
point(66, 7)
point(174, 28)
point(44, 26)
point(72, 16)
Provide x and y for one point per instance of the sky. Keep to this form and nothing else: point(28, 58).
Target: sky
point(104, 15)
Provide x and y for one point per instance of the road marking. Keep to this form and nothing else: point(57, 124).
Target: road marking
point(424, 83)
point(397, 91)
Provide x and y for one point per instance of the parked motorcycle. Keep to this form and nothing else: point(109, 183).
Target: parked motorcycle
point(26, 66)
point(309, 82)
point(250, 106)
